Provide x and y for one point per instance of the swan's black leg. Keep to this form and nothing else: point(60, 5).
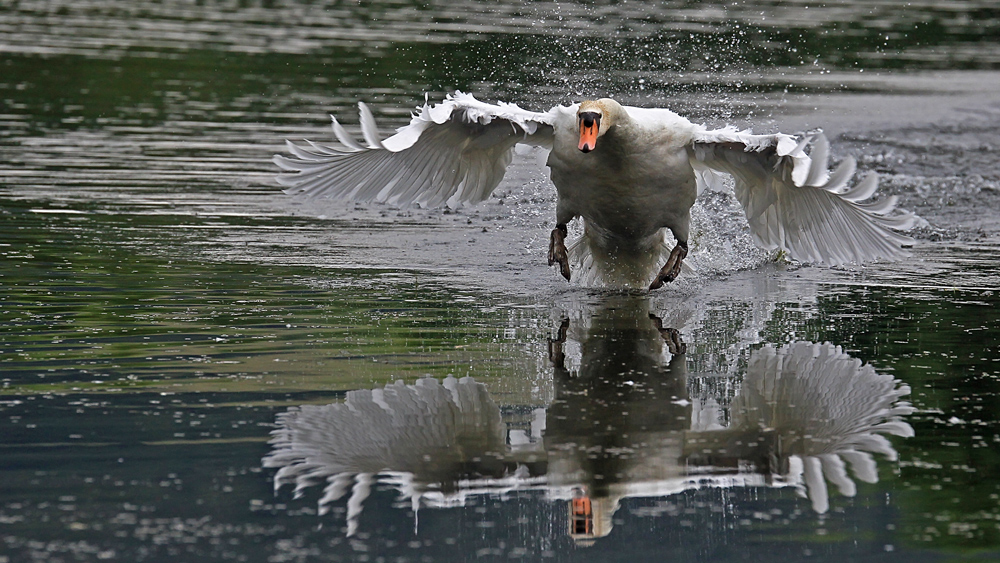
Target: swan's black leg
point(672, 268)
point(557, 250)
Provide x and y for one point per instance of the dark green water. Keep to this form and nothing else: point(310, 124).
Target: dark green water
point(163, 307)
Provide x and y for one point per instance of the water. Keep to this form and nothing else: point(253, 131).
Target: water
point(177, 337)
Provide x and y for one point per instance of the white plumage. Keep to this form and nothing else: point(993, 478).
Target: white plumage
point(826, 410)
point(638, 176)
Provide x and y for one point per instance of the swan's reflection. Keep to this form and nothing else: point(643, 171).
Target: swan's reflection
point(621, 425)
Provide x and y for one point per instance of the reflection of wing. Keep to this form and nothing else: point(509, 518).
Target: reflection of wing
point(793, 203)
point(455, 152)
point(826, 408)
point(626, 431)
point(384, 429)
point(426, 428)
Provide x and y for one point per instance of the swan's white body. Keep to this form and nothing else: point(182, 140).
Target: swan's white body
point(641, 178)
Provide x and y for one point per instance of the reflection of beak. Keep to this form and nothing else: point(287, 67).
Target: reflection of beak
point(581, 517)
point(590, 123)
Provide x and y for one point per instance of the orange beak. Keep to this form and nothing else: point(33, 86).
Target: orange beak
point(588, 136)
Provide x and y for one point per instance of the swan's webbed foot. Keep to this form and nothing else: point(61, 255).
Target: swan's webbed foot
point(672, 268)
point(670, 335)
point(557, 250)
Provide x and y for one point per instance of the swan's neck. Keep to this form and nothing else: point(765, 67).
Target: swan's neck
point(616, 116)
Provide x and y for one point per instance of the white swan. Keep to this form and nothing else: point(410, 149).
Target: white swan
point(630, 173)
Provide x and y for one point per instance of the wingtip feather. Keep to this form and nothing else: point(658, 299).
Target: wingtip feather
point(818, 172)
point(369, 129)
point(342, 135)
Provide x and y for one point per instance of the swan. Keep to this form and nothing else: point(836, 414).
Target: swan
point(630, 173)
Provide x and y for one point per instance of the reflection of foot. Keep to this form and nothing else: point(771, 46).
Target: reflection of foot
point(672, 268)
point(557, 250)
point(670, 335)
point(556, 355)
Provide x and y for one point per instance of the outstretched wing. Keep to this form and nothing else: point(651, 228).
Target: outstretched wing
point(453, 153)
point(795, 204)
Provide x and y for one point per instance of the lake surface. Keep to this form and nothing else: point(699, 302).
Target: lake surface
point(196, 367)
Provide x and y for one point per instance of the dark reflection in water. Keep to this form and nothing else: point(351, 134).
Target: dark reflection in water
point(622, 424)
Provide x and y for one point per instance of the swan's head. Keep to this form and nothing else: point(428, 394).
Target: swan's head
point(594, 119)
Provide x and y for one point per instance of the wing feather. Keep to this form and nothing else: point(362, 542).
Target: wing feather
point(865, 189)
point(794, 203)
point(453, 153)
point(342, 136)
point(820, 155)
point(842, 175)
point(369, 129)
